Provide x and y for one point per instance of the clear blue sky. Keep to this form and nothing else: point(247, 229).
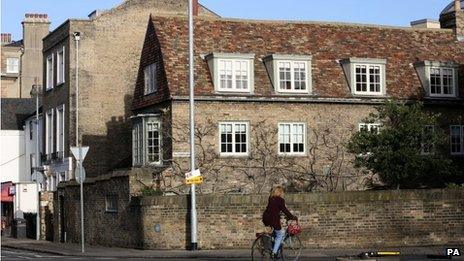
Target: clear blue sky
point(386, 12)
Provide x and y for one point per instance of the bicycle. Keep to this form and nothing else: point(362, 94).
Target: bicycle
point(290, 250)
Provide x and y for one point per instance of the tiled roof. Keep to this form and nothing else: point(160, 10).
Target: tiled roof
point(19, 43)
point(326, 42)
point(15, 111)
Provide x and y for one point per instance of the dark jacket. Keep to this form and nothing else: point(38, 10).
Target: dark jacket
point(271, 216)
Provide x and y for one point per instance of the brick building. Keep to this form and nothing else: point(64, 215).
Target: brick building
point(21, 61)
point(276, 100)
point(109, 54)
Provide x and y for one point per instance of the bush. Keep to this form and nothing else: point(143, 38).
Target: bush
point(396, 152)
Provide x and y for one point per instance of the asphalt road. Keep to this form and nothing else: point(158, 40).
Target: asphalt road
point(9, 254)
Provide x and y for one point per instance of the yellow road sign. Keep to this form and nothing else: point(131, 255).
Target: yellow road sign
point(194, 180)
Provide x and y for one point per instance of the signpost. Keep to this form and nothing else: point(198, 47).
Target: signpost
point(193, 179)
point(80, 153)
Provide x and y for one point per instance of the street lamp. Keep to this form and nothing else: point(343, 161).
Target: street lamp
point(37, 92)
point(193, 208)
point(77, 38)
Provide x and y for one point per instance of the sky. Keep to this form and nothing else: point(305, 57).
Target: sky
point(384, 12)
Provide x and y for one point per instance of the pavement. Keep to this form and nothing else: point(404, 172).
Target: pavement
point(13, 247)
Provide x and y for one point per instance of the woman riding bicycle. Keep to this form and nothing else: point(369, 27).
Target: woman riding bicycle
point(271, 216)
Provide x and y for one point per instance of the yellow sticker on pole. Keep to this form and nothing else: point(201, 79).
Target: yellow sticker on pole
point(194, 180)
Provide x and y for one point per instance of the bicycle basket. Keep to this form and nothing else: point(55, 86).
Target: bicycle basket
point(294, 229)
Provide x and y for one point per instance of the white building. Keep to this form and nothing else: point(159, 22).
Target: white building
point(17, 157)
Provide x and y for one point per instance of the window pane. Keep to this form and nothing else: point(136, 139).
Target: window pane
point(361, 78)
point(447, 81)
point(153, 142)
point(285, 73)
point(456, 139)
point(435, 81)
point(300, 75)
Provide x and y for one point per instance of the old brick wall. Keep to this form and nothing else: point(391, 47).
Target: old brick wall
point(328, 127)
point(121, 228)
point(329, 220)
point(46, 215)
point(10, 87)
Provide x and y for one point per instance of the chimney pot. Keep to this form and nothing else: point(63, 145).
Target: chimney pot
point(35, 17)
point(6, 38)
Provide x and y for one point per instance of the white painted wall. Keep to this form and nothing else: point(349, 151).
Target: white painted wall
point(12, 156)
point(25, 200)
point(30, 144)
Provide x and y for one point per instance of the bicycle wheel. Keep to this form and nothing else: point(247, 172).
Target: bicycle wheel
point(291, 248)
point(259, 251)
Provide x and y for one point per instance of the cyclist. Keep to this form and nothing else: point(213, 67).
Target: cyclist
point(271, 216)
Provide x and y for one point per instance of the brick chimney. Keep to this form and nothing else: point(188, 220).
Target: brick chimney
point(452, 17)
point(35, 28)
point(195, 7)
point(6, 38)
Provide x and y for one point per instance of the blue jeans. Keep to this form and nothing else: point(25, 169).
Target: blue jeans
point(278, 238)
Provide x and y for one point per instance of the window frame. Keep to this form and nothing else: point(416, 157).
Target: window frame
point(292, 77)
point(461, 133)
point(349, 66)
point(140, 125)
point(234, 153)
point(150, 79)
point(423, 69)
point(137, 158)
point(305, 139)
point(234, 75)
point(49, 72)
point(271, 63)
point(453, 86)
point(369, 126)
point(213, 60)
point(17, 65)
point(145, 142)
point(425, 144)
point(49, 132)
point(112, 203)
point(60, 66)
point(60, 126)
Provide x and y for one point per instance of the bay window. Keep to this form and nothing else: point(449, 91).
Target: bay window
point(146, 141)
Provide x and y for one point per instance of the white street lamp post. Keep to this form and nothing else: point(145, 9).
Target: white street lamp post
point(77, 37)
point(193, 209)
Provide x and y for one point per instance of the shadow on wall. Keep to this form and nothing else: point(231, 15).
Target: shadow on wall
point(112, 151)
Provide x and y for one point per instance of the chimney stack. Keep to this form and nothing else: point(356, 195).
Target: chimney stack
point(459, 20)
point(195, 7)
point(35, 28)
point(6, 38)
point(452, 17)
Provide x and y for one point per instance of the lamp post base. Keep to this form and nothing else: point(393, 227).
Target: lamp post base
point(193, 246)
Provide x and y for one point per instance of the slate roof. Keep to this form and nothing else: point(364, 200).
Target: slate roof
point(326, 42)
point(19, 43)
point(15, 111)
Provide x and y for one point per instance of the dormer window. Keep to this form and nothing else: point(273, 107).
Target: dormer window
point(232, 72)
point(289, 73)
point(365, 76)
point(439, 79)
point(150, 79)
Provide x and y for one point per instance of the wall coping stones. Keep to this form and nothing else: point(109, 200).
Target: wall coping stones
point(331, 198)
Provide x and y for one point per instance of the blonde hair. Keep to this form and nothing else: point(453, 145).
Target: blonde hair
point(277, 191)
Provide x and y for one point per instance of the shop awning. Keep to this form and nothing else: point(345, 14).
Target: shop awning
point(7, 192)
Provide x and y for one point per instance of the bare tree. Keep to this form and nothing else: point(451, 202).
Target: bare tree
point(325, 167)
